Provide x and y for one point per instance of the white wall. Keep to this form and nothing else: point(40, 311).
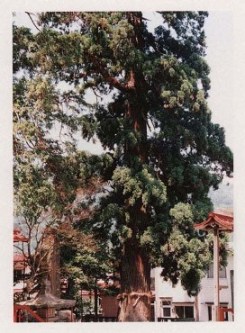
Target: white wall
point(206, 295)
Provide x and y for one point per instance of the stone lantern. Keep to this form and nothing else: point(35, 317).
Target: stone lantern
point(46, 305)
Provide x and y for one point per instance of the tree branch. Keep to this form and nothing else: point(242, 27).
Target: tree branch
point(33, 22)
point(111, 80)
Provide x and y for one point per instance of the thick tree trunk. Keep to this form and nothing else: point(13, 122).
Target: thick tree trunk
point(135, 307)
point(135, 297)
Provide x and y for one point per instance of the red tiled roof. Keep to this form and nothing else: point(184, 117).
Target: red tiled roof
point(18, 237)
point(223, 221)
point(19, 257)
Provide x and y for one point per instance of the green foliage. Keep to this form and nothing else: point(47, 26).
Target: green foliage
point(181, 213)
point(140, 186)
point(184, 256)
point(143, 95)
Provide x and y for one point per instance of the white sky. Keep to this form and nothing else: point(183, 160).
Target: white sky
point(219, 31)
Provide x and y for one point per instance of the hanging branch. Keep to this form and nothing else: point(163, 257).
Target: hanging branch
point(33, 22)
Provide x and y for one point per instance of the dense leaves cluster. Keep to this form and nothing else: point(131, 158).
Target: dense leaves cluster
point(143, 95)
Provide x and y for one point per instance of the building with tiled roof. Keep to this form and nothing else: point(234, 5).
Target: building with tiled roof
point(18, 236)
point(221, 219)
point(173, 303)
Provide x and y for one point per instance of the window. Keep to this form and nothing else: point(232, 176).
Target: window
point(18, 275)
point(222, 271)
point(184, 312)
point(152, 283)
point(166, 302)
point(210, 313)
point(166, 312)
point(167, 307)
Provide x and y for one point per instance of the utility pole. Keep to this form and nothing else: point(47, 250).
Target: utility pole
point(96, 302)
point(215, 312)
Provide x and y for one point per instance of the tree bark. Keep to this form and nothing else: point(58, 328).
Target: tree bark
point(135, 299)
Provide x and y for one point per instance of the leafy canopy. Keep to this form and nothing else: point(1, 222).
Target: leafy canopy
point(143, 95)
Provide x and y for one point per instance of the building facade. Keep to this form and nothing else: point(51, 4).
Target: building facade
point(171, 303)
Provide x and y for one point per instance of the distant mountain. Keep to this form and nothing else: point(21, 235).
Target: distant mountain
point(223, 197)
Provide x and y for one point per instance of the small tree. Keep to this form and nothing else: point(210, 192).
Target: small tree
point(34, 218)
